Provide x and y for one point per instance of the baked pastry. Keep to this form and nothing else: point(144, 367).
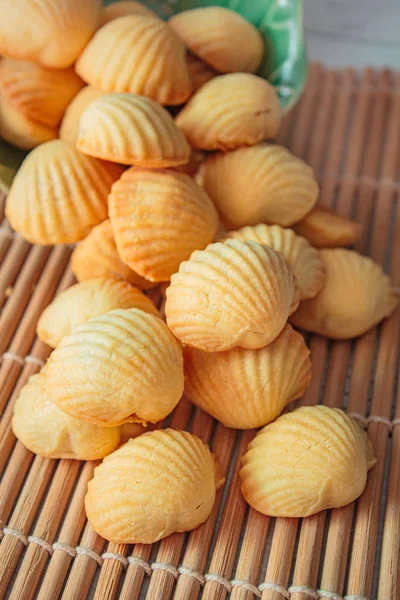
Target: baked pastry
point(48, 32)
point(59, 194)
point(220, 37)
point(40, 94)
point(232, 294)
point(356, 296)
point(325, 229)
point(48, 431)
point(97, 256)
point(162, 482)
point(304, 260)
point(85, 300)
point(309, 460)
point(19, 131)
point(131, 129)
point(70, 124)
point(123, 8)
point(246, 388)
point(121, 367)
point(137, 54)
point(231, 111)
point(199, 71)
point(261, 184)
point(159, 218)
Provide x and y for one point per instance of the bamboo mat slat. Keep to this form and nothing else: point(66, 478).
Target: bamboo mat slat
point(347, 126)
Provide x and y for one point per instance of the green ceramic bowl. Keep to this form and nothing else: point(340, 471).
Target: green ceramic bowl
point(285, 65)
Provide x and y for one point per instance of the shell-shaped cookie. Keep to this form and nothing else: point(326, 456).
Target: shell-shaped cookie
point(124, 366)
point(131, 129)
point(40, 94)
point(325, 229)
point(85, 300)
point(69, 127)
point(246, 388)
point(220, 37)
point(199, 71)
point(304, 260)
point(260, 184)
point(59, 194)
point(137, 54)
point(231, 111)
point(19, 131)
point(356, 296)
point(306, 461)
point(97, 256)
point(162, 482)
point(159, 218)
point(48, 431)
point(231, 294)
point(48, 32)
point(123, 8)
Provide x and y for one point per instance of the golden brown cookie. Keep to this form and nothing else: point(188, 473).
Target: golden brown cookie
point(137, 54)
point(131, 129)
point(162, 482)
point(309, 460)
point(70, 124)
point(159, 218)
point(48, 431)
point(40, 94)
point(121, 367)
point(356, 296)
point(123, 8)
point(85, 300)
point(325, 229)
point(232, 294)
point(231, 111)
point(220, 37)
point(246, 388)
point(97, 256)
point(304, 260)
point(19, 131)
point(59, 194)
point(261, 184)
point(52, 33)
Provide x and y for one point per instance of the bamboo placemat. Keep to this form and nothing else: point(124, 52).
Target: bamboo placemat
point(347, 126)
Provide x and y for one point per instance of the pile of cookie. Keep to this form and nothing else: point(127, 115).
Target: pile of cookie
point(149, 150)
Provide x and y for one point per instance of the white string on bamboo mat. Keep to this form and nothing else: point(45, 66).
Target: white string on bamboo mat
point(135, 560)
point(174, 571)
point(374, 419)
point(21, 360)
point(329, 595)
point(65, 548)
point(165, 567)
point(274, 587)
point(91, 553)
point(192, 573)
point(303, 589)
point(219, 579)
point(246, 585)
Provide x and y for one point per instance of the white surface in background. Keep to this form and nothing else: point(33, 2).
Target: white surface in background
point(340, 33)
